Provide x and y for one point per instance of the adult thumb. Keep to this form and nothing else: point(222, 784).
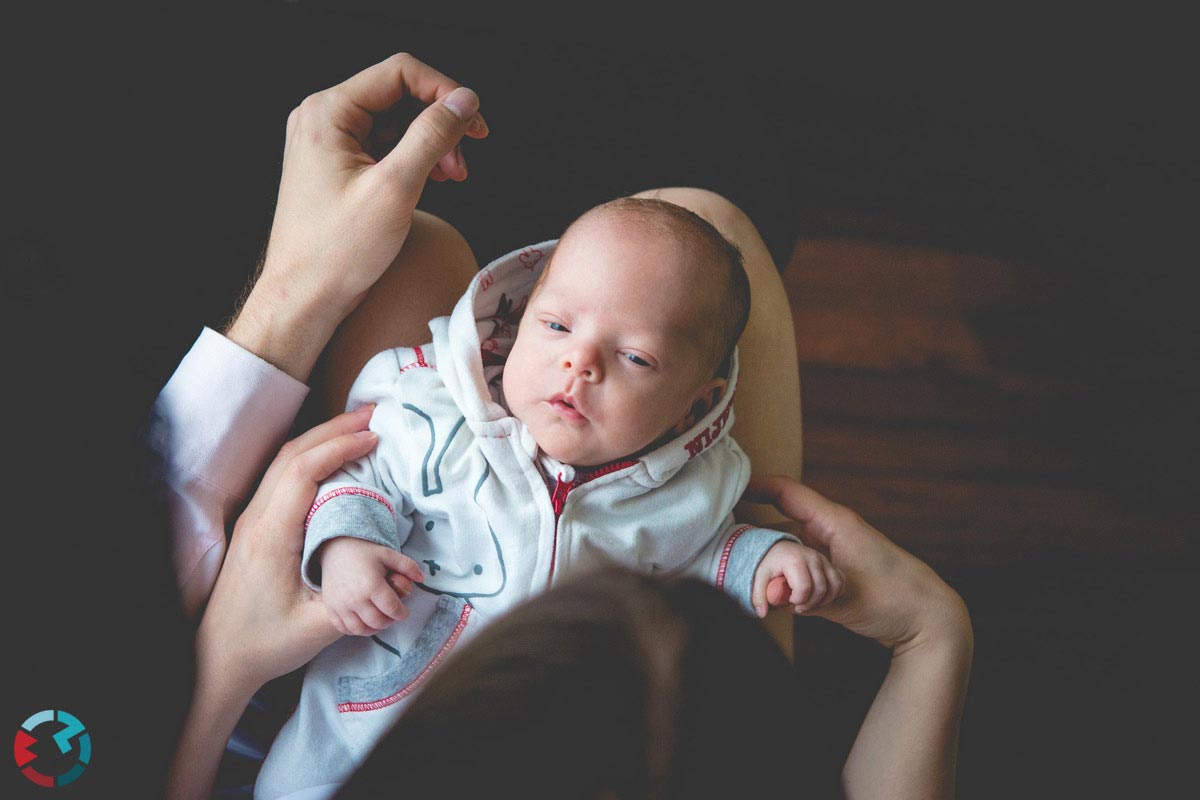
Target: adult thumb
point(433, 134)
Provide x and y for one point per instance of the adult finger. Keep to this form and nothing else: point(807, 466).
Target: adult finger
point(291, 500)
point(380, 86)
point(797, 501)
point(349, 422)
point(433, 134)
point(778, 591)
point(453, 165)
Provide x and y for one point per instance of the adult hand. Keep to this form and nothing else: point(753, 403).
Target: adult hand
point(346, 201)
point(889, 595)
point(262, 621)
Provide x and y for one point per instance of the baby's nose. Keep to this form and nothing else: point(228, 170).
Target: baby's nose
point(583, 364)
point(577, 366)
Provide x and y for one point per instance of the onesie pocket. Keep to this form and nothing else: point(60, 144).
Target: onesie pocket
point(368, 705)
point(446, 624)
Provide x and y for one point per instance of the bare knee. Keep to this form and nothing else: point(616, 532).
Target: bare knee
point(731, 221)
point(433, 242)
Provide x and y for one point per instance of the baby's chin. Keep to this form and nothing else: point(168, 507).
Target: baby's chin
point(586, 457)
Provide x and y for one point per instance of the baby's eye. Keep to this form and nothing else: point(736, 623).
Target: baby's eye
point(641, 362)
point(556, 326)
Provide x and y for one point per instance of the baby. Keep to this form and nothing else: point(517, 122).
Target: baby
point(573, 410)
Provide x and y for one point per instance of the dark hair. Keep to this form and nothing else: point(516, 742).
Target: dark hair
point(729, 284)
point(610, 685)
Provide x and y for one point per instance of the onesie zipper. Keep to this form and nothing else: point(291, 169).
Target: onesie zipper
point(558, 499)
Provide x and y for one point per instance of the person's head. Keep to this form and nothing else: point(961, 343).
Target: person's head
point(610, 685)
point(628, 332)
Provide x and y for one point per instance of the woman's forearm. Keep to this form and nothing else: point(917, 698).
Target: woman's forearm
point(907, 746)
point(215, 710)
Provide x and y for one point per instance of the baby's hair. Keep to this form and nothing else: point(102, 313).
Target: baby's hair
point(730, 284)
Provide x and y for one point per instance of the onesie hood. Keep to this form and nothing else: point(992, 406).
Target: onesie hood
point(479, 334)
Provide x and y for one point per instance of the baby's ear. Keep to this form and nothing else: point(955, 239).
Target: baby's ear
point(703, 401)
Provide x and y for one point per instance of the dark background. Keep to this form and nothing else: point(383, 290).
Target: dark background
point(142, 153)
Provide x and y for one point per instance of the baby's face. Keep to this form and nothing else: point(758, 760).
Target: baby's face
point(606, 359)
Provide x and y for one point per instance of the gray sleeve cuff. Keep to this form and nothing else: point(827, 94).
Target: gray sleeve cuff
point(355, 511)
point(744, 549)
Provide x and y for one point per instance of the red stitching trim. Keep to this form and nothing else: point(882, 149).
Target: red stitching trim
point(725, 555)
point(407, 690)
point(420, 362)
point(325, 498)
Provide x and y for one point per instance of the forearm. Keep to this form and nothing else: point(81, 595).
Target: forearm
point(215, 710)
point(284, 330)
point(907, 746)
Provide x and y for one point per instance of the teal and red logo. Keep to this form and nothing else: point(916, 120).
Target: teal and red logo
point(52, 748)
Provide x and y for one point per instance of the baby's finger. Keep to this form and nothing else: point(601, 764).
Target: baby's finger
point(372, 616)
point(401, 585)
point(389, 604)
point(816, 570)
point(397, 562)
point(437, 174)
point(799, 581)
point(834, 576)
point(758, 596)
point(354, 624)
point(337, 621)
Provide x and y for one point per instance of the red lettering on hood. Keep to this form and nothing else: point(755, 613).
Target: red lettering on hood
point(706, 437)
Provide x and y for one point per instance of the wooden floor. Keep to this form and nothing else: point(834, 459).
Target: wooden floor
point(1077, 590)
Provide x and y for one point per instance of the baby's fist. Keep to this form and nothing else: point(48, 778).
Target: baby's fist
point(792, 574)
point(362, 584)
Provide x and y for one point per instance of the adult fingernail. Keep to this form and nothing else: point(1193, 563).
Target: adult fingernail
point(363, 409)
point(367, 435)
point(462, 101)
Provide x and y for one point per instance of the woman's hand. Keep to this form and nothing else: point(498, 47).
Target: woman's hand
point(907, 746)
point(890, 595)
point(346, 201)
point(262, 621)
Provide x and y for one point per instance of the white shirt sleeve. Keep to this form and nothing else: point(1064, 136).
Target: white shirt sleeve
point(226, 413)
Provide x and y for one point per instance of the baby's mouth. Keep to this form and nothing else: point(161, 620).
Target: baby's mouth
point(567, 406)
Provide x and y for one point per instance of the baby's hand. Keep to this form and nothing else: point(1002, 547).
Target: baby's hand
point(362, 584)
point(793, 574)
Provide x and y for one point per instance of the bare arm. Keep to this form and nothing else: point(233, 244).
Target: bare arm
point(908, 743)
point(342, 214)
point(907, 746)
point(215, 710)
point(261, 621)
